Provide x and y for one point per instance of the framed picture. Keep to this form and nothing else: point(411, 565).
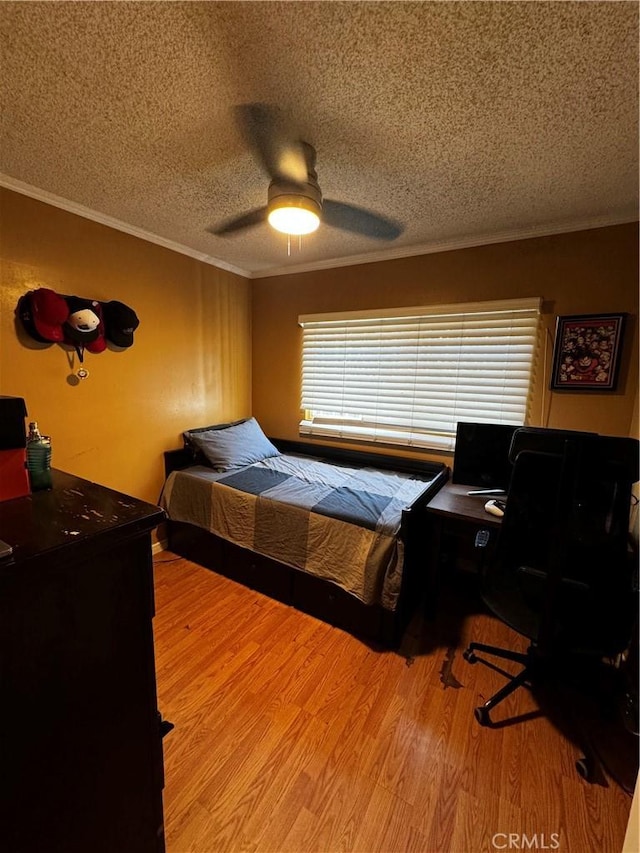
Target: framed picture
point(586, 353)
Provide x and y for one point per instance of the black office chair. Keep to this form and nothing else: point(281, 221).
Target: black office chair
point(562, 575)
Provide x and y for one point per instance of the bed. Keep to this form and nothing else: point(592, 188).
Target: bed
point(338, 534)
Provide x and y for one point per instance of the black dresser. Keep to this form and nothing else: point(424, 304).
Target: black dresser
point(80, 744)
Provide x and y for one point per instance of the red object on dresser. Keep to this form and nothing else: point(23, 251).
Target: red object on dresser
point(14, 480)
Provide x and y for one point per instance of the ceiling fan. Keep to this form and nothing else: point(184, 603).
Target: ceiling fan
point(295, 204)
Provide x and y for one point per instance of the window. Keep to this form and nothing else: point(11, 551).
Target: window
point(407, 376)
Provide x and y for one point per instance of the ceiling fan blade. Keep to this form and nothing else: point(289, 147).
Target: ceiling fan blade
point(264, 129)
point(348, 217)
point(247, 220)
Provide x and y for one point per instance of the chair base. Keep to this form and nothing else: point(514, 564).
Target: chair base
point(522, 679)
point(588, 766)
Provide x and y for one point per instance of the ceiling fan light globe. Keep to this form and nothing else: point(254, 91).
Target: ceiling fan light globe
point(295, 215)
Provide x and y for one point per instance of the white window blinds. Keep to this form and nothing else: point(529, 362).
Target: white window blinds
point(408, 376)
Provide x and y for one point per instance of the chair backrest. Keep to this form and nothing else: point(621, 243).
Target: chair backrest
point(543, 440)
point(562, 574)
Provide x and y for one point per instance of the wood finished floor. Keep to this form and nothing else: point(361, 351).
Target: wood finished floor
point(291, 735)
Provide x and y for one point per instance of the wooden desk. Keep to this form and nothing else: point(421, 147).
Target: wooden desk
point(452, 501)
point(456, 520)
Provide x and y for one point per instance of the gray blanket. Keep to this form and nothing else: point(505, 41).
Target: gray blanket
point(333, 521)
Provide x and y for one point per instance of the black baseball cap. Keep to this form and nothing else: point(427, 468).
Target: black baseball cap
point(120, 322)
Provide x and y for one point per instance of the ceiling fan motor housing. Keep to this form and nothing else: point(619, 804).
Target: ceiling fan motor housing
point(284, 193)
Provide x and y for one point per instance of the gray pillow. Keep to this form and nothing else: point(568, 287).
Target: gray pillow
point(233, 446)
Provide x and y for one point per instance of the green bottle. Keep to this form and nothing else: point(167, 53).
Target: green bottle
point(38, 459)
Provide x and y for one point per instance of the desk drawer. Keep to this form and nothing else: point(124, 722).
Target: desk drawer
point(465, 546)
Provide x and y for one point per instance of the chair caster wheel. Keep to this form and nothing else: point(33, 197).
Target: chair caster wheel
point(586, 768)
point(482, 716)
point(469, 656)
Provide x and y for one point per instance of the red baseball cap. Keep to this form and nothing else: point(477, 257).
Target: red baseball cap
point(49, 311)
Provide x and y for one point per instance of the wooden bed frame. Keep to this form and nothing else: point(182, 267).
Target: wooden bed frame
point(319, 597)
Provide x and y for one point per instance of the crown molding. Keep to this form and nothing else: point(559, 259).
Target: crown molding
point(388, 254)
point(80, 210)
point(391, 254)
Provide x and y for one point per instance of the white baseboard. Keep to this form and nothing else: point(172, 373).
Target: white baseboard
point(159, 546)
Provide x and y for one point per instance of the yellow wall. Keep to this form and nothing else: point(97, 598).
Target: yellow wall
point(580, 273)
point(189, 365)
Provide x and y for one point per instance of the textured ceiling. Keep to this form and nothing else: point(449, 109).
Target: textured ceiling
point(466, 122)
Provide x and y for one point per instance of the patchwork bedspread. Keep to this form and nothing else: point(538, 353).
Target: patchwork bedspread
point(335, 522)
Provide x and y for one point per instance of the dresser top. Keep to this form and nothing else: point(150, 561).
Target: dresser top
point(72, 512)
